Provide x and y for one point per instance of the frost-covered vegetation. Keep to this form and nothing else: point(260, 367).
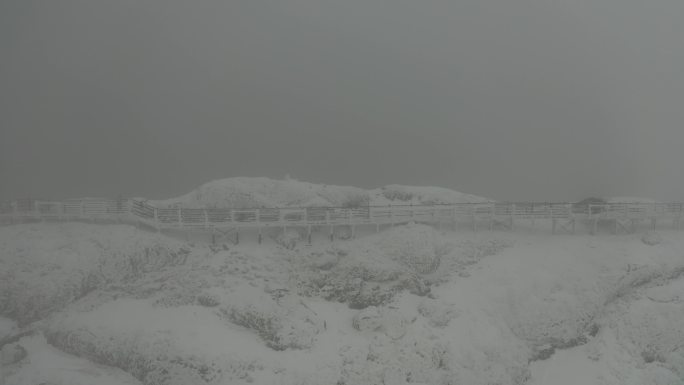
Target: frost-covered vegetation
point(408, 305)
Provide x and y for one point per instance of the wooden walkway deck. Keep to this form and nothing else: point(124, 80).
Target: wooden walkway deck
point(624, 216)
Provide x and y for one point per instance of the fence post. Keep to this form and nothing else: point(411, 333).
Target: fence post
point(571, 215)
point(473, 211)
point(512, 214)
point(180, 218)
point(492, 217)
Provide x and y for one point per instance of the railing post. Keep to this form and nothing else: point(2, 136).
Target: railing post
point(180, 218)
point(512, 214)
point(492, 217)
point(157, 225)
point(571, 215)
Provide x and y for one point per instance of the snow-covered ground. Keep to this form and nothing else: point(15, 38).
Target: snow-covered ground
point(112, 304)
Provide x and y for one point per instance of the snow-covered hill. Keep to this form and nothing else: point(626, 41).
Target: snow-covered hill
point(242, 192)
point(409, 305)
point(630, 200)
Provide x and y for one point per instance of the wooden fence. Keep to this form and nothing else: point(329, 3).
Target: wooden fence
point(216, 218)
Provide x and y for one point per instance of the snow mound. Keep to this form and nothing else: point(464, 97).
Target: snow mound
point(246, 192)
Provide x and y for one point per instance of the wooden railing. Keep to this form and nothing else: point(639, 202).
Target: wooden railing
point(203, 218)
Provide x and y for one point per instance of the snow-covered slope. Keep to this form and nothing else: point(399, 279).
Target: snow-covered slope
point(242, 192)
point(409, 305)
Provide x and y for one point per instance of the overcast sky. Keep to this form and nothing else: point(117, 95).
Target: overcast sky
point(509, 99)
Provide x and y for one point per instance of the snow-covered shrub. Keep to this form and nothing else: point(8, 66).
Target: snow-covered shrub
point(48, 266)
point(419, 247)
point(370, 272)
point(362, 286)
point(356, 201)
point(325, 261)
point(343, 232)
point(179, 287)
point(11, 354)
point(374, 319)
point(154, 364)
point(130, 265)
point(368, 319)
point(281, 327)
point(653, 331)
point(208, 300)
point(554, 320)
point(437, 312)
point(651, 238)
point(288, 239)
point(152, 344)
point(396, 194)
point(474, 251)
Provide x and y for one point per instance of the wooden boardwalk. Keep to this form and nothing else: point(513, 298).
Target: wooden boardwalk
point(624, 217)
